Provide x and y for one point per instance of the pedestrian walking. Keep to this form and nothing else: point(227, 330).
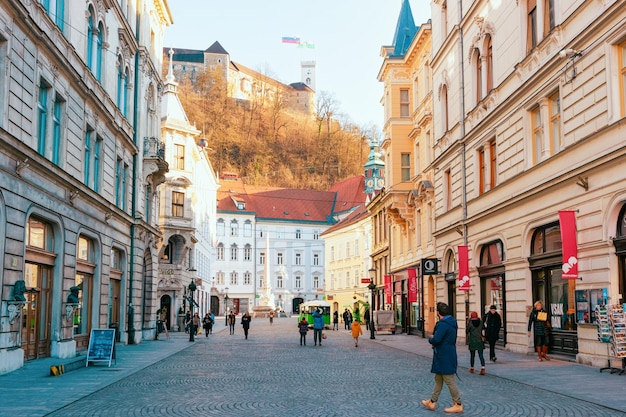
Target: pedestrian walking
point(318, 326)
point(444, 362)
point(195, 323)
point(366, 317)
point(493, 323)
point(212, 317)
point(271, 316)
point(245, 323)
point(475, 341)
point(336, 320)
point(231, 321)
point(207, 324)
point(187, 321)
point(356, 332)
point(538, 322)
point(350, 319)
point(345, 319)
point(303, 329)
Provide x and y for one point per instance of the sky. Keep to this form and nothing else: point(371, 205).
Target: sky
point(347, 36)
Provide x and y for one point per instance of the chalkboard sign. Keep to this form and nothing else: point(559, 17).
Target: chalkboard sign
point(101, 346)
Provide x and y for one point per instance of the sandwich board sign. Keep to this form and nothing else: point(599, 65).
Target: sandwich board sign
point(101, 346)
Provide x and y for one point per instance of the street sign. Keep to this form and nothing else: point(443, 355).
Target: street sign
point(366, 280)
point(430, 266)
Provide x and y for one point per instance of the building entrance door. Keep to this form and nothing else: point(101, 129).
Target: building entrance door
point(35, 313)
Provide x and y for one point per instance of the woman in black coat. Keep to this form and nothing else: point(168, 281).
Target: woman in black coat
point(493, 323)
point(245, 322)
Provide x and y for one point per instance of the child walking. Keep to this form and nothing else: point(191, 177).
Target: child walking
point(303, 328)
point(476, 342)
point(356, 332)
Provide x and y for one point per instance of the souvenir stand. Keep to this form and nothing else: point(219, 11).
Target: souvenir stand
point(612, 331)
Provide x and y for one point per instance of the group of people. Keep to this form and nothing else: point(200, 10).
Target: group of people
point(245, 322)
point(318, 328)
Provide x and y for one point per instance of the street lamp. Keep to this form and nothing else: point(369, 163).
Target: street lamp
point(226, 307)
point(372, 287)
point(192, 330)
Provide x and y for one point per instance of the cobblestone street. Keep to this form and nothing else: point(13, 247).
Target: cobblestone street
point(271, 375)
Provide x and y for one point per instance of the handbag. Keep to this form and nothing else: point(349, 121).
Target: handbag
point(542, 316)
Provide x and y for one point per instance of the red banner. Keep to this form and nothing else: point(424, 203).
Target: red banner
point(412, 274)
point(464, 281)
point(567, 220)
point(387, 289)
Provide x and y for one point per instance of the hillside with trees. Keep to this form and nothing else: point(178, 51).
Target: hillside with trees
point(266, 143)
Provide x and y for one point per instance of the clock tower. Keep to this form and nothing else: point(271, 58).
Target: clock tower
point(374, 170)
point(307, 69)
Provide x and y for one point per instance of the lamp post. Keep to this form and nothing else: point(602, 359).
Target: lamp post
point(372, 287)
point(192, 330)
point(226, 307)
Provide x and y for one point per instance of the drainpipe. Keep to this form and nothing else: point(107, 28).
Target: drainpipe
point(131, 308)
point(463, 155)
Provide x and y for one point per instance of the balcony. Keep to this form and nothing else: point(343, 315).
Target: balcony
point(154, 165)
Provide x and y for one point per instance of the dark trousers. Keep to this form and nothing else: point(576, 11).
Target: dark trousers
point(492, 349)
point(317, 336)
point(232, 328)
point(303, 339)
point(245, 331)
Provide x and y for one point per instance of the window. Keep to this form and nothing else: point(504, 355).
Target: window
point(233, 278)
point(622, 76)
point(316, 259)
point(121, 85)
point(537, 134)
point(262, 258)
point(179, 157)
point(247, 253)
point(298, 281)
point(492, 163)
point(404, 103)
point(87, 160)
point(220, 278)
point(84, 279)
point(316, 282)
point(356, 247)
point(91, 34)
point(220, 227)
point(39, 234)
point(261, 282)
point(444, 108)
point(298, 259)
point(298, 234)
point(118, 182)
point(405, 168)
point(247, 278)
point(99, 52)
point(42, 117)
point(555, 123)
point(220, 252)
point(478, 75)
point(279, 281)
point(97, 157)
point(347, 279)
point(481, 170)
point(489, 63)
point(316, 234)
point(56, 11)
point(234, 228)
point(444, 18)
point(447, 190)
point(178, 204)
point(531, 25)
point(332, 253)
point(279, 258)
point(548, 16)
point(233, 252)
point(247, 228)
point(348, 250)
point(56, 129)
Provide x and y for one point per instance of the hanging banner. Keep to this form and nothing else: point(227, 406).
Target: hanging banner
point(412, 275)
point(567, 220)
point(464, 281)
point(387, 289)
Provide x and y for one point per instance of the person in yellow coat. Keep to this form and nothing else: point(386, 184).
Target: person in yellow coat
point(356, 332)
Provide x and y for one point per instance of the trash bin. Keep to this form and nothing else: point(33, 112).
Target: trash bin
point(116, 326)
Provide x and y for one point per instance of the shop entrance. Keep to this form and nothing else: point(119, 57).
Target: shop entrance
point(35, 313)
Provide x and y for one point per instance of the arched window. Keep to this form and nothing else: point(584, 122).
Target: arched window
point(491, 272)
point(444, 108)
point(85, 280)
point(91, 35)
point(478, 75)
point(489, 63)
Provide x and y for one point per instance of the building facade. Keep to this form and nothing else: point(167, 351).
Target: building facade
point(527, 132)
point(80, 162)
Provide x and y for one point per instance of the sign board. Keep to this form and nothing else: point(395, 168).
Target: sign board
point(101, 346)
point(430, 266)
point(365, 280)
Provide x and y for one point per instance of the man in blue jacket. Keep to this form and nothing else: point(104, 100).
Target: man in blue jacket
point(318, 326)
point(444, 360)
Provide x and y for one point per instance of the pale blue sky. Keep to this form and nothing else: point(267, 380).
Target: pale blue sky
point(347, 34)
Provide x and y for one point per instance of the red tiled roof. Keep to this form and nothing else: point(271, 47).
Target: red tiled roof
point(349, 193)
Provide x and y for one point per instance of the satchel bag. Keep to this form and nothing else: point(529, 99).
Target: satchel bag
point(542, 316)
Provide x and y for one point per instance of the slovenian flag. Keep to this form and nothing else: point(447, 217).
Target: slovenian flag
point(291, 39)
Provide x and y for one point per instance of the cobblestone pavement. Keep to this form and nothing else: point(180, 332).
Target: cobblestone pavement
point(270, 374)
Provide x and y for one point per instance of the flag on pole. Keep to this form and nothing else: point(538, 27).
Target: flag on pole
point(464, 280)
point(291, 39)
point(567, 222)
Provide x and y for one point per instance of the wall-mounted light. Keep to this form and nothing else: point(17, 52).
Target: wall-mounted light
point(572, 54)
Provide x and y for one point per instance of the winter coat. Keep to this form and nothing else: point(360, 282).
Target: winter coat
point(303, 326)
point(318, 320)
point(493, 323)
point(245, 321)
point(443, 341)
point(474, 334)
point(356, 329)
point(539, 326)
